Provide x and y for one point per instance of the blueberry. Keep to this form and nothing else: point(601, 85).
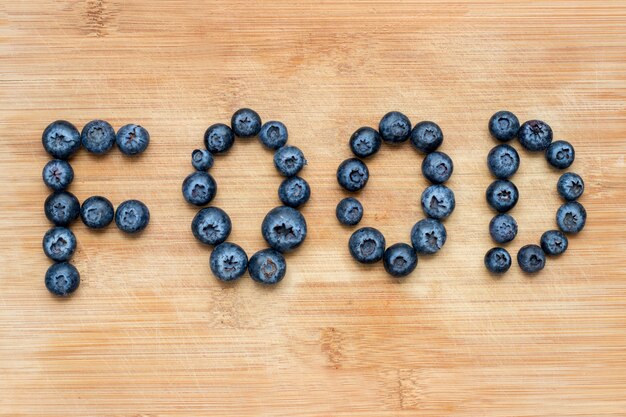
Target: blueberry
point(218, 138)
point(531, 259)
point(289, 160)
point(438, 201)
point(554, 242)
point(570, 186)
point(428, 236)
point(267, 266)
point(132, 216)
point(199, 188)
point(503, 161)
point(294, 191)
point(58, 174)
point(97, 136)
point(284, 228)
point(365, 142)
point(437, 167)
point(59, 244)
point(349, 211)
point(245, 123)
point(228, 261)
point(97, 212)
point(400, 260)
point(201, 159)
point(571, 217)
point(503, 228)
point(62, 279)
point(426, 137)
point(394, 127)
point(352, 174)
point(61, 139)
point(560, 154)
point(274, 135)
point(535, 135)
point(211, 226)
point(503, 126)
point(62, 208)
point(367, 245)
point(132, 139)
point(498, 260)
point(502, 195)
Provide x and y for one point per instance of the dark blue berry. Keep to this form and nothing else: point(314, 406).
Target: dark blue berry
point(394, 127)
point(62, 208)
point(503, 161)
point(273, 134)
point(554, 242)
point(199, 188)
point(61, 139)
point(62, 279)
point(97, 212)
point(498, 260)
point(289, 160)
point(531, 259)
point(352, 174)
point(570, 186)
point(132, 216)
point(245, 123)
point(349, 211)
point(211, 226)
point(58, 174)
point(219, 138)
point(365, 142)
point(132, 139)
point(267, 266)
point(428, 236)
point(294, 191)
point(201, 159)
point(503, 228)
point(367, 245)
point(571, 217)
point(504, 126)
point(400, 260)
point(228, 261)
point(426, 137)
point(284, 228)
point(560, 154)
point(97, 136)
point(437, 167)
point(438, 201)
point(535, 135)
point(59, 244)
point(502, 195)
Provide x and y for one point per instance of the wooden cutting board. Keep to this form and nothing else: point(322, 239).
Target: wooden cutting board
point(151, 333)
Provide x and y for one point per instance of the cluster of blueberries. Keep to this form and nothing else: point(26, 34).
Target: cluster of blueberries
point(502, 194)
point(284, 228)
point(62, 140)
point(367, 244)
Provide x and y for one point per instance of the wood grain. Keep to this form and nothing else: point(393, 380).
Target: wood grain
point(151, 333)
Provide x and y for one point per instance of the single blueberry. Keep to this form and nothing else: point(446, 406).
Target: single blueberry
point(97, 212)
point(570, 186)
point(535, 135)
point(503, 161)
point(426, 137)
point(352, 174)
point(228, 261)
point(211, 226)
point(502, 195)
point(267, 266)
point(349, 211)
point(132, 139)
point(59, 244)
point(62, 208)
point(400, 260)
point(560, 154)
point(367, 245)
point(531, 259)
point(58, 174)
point(571, 217)
point(97, 136)
point(438, 201)
point(245, 123)
point(284, 228)
point(201, 159)
point(273, 135)
point(61, 139)
point(365, 142)
point(394, 127)
point(132, 216)
point(294, 191)
point(199, 188)
point(62, 279)
point(498, 260)
point(503, 228)
point(289, 160)
point(219, 138)
point(504, 126)
point(428, 236)
point(554, 242)
point(437, 167)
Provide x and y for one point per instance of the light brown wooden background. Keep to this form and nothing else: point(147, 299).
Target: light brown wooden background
point(151, 332)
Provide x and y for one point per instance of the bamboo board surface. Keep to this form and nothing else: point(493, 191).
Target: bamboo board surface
point(150, 332)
